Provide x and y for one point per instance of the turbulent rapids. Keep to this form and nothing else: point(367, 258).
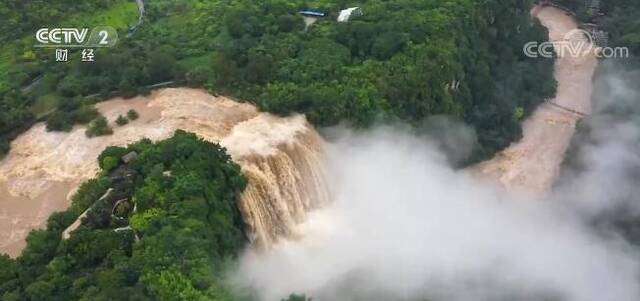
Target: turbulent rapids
point(282, 158)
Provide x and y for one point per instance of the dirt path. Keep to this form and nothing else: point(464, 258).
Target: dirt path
point(532, 164)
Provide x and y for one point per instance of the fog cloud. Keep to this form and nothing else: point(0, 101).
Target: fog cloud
point(406, 226)
point(605, 169)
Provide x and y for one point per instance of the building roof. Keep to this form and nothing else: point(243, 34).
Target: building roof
point(310, 13)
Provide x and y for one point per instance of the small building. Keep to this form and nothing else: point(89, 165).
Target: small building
point(346, 14)
point(312, 14)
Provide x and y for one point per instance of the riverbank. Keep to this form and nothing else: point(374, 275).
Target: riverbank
point(43, 167)
point(533, 163)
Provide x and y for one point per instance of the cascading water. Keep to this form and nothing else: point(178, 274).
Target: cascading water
point(286, 174)
point(282, 158)
point(284, 186)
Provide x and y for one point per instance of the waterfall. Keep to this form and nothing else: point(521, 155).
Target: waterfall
point(283, 187)
point(285, 173)
point(281, 157)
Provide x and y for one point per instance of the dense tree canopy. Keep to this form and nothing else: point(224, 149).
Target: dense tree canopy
point(165, 230)
point(400, 59)
point(169, 225)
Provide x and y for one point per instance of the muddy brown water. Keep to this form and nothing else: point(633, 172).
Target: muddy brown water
point(532, 164)
point(41, 170)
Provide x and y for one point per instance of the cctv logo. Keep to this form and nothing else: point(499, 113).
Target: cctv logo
point(100, 36)
point(62, 35)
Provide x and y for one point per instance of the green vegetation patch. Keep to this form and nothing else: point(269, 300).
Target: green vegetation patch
point(400, 60)
point(166, 229)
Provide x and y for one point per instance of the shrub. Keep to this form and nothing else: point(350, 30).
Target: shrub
point(59, 121)
point(99, 127)
point(132, 114)
point(109, 163)
point(85, 114)
point(121, 120)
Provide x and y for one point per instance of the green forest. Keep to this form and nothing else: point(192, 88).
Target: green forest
point(397, 60)
point(163, 226)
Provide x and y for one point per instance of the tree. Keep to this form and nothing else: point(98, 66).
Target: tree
point(99, 127)
point(39, 291)
point(85, 114)
point(8, 269)
point(115, 152)
point(161, 66)
point(198, 76)
point(289, 23)
point(121, 120)
point(71, 86)
point(171, 285)
point(388, 44)
point(258, 68)
point(416, 49)
point(59, 121)
point(109, 163)
point(132, 114)
point(175, 248)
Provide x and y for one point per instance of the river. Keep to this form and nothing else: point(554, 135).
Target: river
point(533, 163)
point(43, 168)
point(405, 225)
point(281, 157)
